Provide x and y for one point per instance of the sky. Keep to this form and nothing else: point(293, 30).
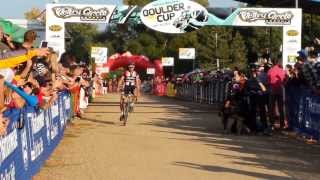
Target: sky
point(11, 9)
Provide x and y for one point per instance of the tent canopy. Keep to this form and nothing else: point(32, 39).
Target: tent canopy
point(308, 6)
point(13, 30)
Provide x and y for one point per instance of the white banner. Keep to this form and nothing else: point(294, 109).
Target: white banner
point(83, 13)
point(100, 54)
point(58, 14)
point(174, 16)
point(267, 17)
point(291, 44)
point(151, 71)
point(187, 53)
point(101, 69)
point(167, 61)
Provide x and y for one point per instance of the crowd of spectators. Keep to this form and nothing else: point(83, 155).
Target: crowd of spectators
point(34, 76)
point(260, 96)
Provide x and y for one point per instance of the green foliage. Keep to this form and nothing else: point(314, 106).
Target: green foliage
point(238, 51)
point(83, 38)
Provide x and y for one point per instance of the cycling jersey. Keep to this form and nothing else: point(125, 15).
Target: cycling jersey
point(130, 78)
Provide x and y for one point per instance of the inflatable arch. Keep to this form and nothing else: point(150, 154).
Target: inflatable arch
point(141, 62)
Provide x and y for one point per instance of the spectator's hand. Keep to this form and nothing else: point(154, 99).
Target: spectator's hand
point(54, 96)
point(42, 51)
point(3, 125)
point(20, 82)
point(317, 41)
point(29, 63)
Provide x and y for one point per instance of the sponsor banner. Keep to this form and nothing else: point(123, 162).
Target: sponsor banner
point(151, 71)
point(58, 14)
point(291, 44)
point(167, 61)
point(55, 35)
point(255, 17)
point(126, 14)
point(187, 53)
point(23, 151)
point(268, 17)
point(178, 16)
point(100, 54)
point(101, 69)
point(80, 12)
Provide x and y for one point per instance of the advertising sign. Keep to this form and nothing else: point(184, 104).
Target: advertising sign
point(151, 71)
point(100, 54)
point(187, 53)
point(291, 44)
point(101, 69)
point(81, 12)
point(167, 61)
point(176, 16)
point(24, 150)
point(257, 17)
point(58, 14)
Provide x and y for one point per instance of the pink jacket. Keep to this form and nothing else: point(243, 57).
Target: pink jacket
point(276, 77)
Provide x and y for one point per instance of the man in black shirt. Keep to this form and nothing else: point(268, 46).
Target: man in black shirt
point(255, 89)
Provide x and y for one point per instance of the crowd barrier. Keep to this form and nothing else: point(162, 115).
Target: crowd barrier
point(303, 110)
point(25, 147)
point(211, 92)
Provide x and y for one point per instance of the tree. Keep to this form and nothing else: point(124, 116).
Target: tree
point(32, 14)
point(35, 14)
point(83, 37)
point(239, 53)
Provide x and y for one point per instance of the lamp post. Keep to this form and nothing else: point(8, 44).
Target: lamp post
point(297, 3)
point(216, 51)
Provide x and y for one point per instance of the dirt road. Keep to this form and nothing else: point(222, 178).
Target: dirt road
point(166, 139)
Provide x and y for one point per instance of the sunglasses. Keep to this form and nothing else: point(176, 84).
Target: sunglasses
point(131, 66)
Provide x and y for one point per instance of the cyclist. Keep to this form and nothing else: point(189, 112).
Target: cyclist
point(130, 80)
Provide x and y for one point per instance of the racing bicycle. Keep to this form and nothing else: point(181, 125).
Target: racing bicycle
point(127, 107)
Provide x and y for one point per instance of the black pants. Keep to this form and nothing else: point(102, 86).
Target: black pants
point(277, 99)
point(262, 104)
point(258, 103)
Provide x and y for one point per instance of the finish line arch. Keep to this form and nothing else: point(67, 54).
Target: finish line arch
point(177, 16)
point(141, 62)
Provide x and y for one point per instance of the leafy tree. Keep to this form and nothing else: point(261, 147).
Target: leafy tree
point(83, 36)
point(32, 14)
point(238, 51)
point(35, 14)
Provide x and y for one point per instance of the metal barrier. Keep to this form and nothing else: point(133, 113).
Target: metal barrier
point(303, 108)
point(24, 150)
point(303, 111)
point(210, 92)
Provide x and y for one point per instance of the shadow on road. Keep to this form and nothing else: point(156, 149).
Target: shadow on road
point(229, 170)
point(97, 121)
point(280, 153)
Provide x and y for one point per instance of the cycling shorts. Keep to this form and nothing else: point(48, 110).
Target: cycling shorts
point(128, 89)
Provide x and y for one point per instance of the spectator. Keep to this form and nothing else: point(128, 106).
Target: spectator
point(105, 87)
point(255, 89)
point(6, 43)
point(276, 78)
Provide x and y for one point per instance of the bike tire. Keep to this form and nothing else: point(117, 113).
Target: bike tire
point(126, 113)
